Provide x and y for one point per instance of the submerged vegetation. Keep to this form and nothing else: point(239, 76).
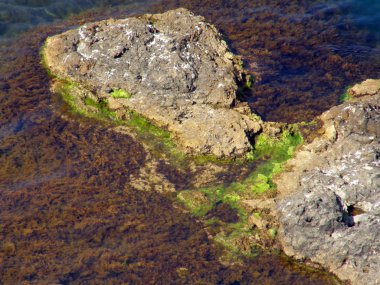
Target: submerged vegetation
point(64, 221)
point(273, 153)
point(90, 107)
point(346, 96)
point(269, 153)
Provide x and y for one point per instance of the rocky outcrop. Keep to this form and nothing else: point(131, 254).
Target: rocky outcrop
point(329, 206)
point(173, 68)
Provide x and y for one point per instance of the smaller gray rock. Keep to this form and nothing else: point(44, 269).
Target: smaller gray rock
point(329, 210)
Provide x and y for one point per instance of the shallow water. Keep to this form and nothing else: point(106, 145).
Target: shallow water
point(68, 212)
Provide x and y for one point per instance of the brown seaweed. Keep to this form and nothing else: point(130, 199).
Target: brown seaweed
point(67, 211)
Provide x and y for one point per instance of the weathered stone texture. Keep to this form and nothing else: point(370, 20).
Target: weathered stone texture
point(329, 209)
point(177, 68)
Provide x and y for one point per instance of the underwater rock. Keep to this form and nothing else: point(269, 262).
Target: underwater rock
point(172, 68)
point(329, 203)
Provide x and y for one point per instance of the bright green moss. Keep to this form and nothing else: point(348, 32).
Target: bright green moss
point(345, 97)
point(231, 198)
point(66, 90)
point(273, 153)
point(120, 93)
point(248, 82)
point(272, 232)
point(144, 125)
point(148, 130)
point(261, 184)
point(91, 102)
point(276, 152)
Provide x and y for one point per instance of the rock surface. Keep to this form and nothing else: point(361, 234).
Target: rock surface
point(176, 68)
point(329, 206)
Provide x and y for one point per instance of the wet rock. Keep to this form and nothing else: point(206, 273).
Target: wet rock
point(329, 206)
point(176, 68)
point(368, 87)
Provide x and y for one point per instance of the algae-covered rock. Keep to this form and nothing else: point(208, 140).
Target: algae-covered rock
point(176, 69)
point(329, 206)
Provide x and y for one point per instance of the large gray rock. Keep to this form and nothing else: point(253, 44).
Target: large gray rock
point(178, 70)
point(329, 209)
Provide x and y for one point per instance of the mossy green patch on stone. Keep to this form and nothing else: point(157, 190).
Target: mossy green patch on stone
point(272, 232)
point(278, 150)
point(346, 96)
point(275, 152)
point(66, 90)
point(272, 154)
point(86, 106)
point(91, 102)
point(160, 139)
point(249, 80)
point(120, 93)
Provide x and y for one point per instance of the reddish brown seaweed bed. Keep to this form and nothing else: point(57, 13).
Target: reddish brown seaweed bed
point(67, 212)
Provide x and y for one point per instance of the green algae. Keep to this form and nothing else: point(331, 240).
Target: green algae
point(273, 153)
point(91, 102)
point(270, 152)
point(66, 91)
point(120, 93)
point(157, 138)
point(88, 107)
point(346, 96)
